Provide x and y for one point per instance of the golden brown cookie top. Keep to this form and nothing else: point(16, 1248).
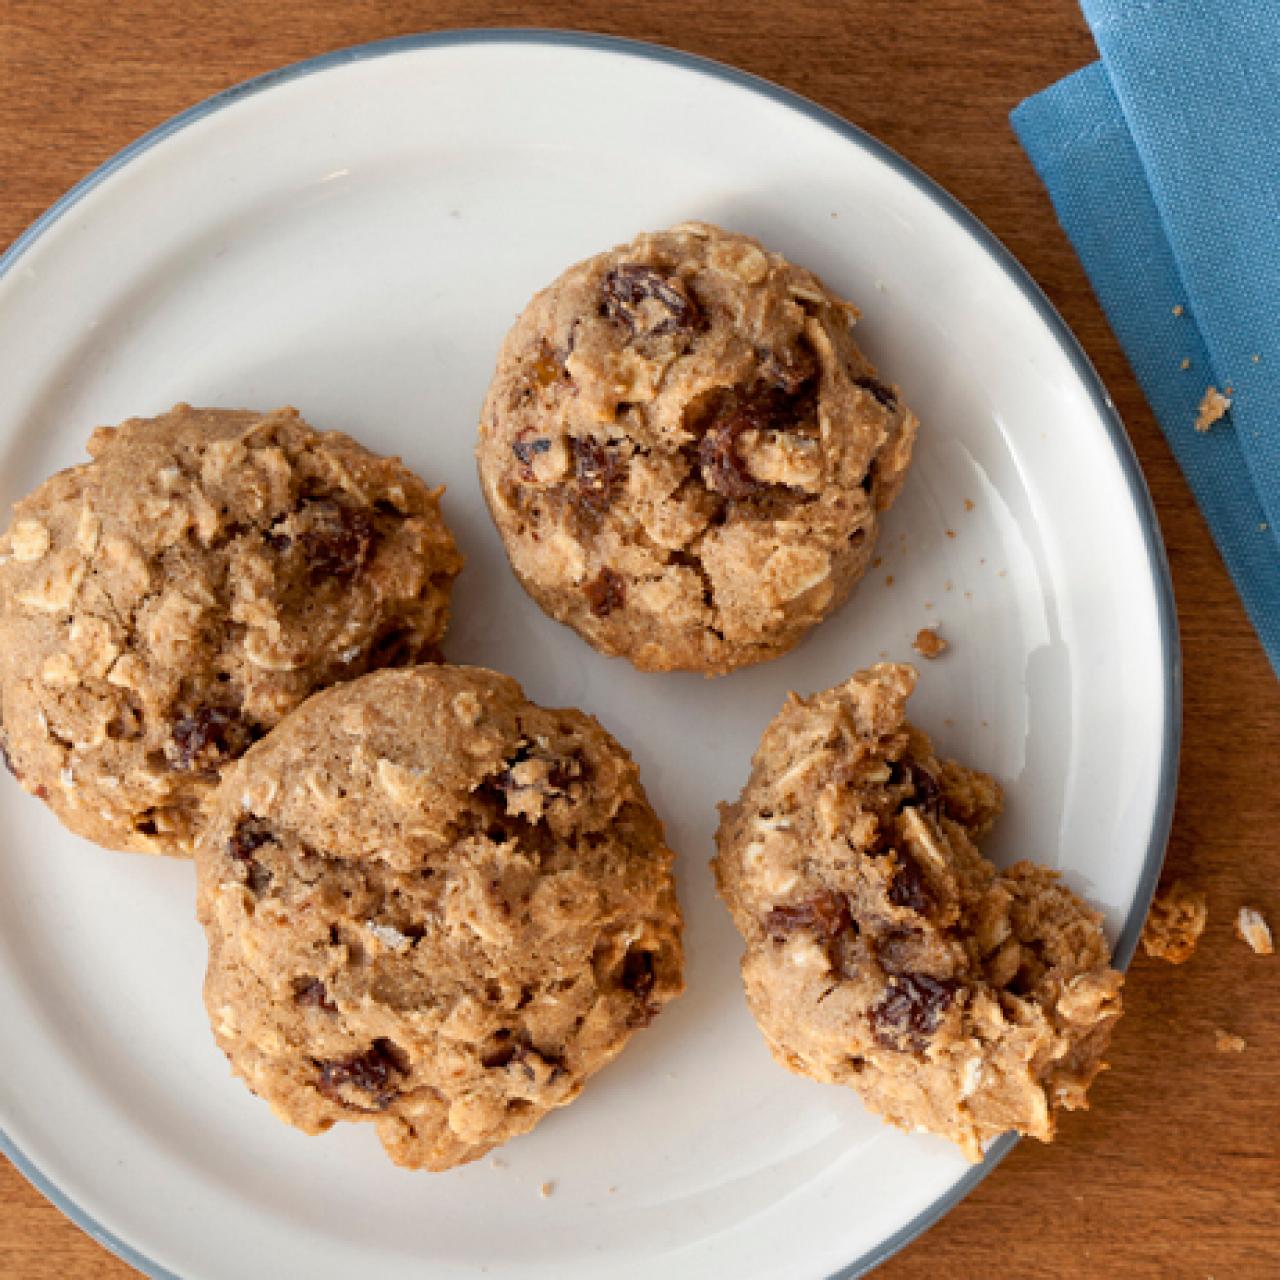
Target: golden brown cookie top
point(167, 603)
point(685, 452)
point(434, 905)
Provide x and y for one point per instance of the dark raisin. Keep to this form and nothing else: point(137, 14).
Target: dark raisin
point(250, 833)
point(826, 914)
point(911, 1011)
point(498, 1057)
point(639, 973)
point(923, 791)
point(788, 371)
point(527, 450)
point(257, 878)
point(208, 738)
point(723, 470)
point(311, 993)
point(395, 647)
point(336, 540)
point(884, 394)
point(627, 289)
point(605, 593)
point(556, 775)
point(598, 471)
point(909, 888)
point(373, 1073)
point(7, 759)
point(277, 541)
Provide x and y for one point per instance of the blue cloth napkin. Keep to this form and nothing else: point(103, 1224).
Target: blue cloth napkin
point(1163, 163)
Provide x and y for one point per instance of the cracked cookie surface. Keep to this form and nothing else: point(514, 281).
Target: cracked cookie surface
point(435, 906)
point(883, 951)
point(685, 452)
point(164, 605)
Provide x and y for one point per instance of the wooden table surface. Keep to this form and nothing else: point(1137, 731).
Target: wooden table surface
point(1175, 1171)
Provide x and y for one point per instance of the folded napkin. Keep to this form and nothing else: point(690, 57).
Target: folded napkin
point(1163, 163)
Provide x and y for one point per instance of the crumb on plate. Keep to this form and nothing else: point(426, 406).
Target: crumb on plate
point(928, 643)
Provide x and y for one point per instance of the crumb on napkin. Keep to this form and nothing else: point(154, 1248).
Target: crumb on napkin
point(1213, 408)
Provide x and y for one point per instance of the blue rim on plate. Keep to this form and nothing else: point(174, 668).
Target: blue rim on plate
point(1171, 656)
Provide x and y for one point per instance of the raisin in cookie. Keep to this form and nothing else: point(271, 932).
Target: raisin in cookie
point(883, 951)
point(685, 452)
point(167, 603)
point(435, 906)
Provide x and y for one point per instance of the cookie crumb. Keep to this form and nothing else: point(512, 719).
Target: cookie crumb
point(928, 643)
point(951, 533)
point(968, 504)
point(1186, 363)
point(1253, 929)
point(1174, 924)
point(1255, 358)
point(547, 1190)
point(1228, 1043)
point(888, 582)
point(877, 562)
point(1213, 408)
point(497, 1163)
point(1178, 309)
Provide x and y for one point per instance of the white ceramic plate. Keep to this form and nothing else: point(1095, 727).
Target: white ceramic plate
point(353, 236)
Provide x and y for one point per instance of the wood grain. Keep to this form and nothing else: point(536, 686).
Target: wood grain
point(1175, 1172)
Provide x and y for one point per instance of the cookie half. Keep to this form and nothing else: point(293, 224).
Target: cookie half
point(685, 452)
point(883, 951)
point(433, 906)
point(164, 605)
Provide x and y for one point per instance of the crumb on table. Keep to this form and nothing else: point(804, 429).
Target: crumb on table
point(1178, 309)
point(1253, 929)
point(1213, 408)
point(1228, 1043)
point(928, 643)
point(1186, 363)
point(1174, 924)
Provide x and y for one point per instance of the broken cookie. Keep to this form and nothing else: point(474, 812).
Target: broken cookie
point(883, 951)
